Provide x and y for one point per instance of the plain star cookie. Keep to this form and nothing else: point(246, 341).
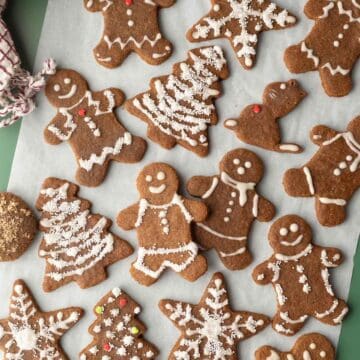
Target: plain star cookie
point(87, 120)
point(332, 176)
point(308, 347)
point(332, 47)
point(31, 334)
point(233, 204)
point(117, 331)
point(162, 219)
point(130, 26)
point(258, 123)
point(298, 272)
point(179, 107)
point(77, 245)
point(241, 21)
point(211, 329)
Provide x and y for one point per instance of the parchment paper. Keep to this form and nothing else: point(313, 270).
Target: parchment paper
point(69, 35)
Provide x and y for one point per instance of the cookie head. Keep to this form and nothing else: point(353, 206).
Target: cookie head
point(314, 346)
point(242, 165)
point(158, 183)
point(290, 235)
point(65, 88)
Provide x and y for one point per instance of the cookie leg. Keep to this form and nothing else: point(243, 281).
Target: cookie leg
point(234, 255)
point(288, 325)
point(155, 134)
point(336, 81)
point(94, 177)
point(133, 152)
point(335, 313)
point(110, 54)
point(298, 182)
point(328, 212)
point(196, 269)
point(141, 277)
point(289, 148)
point(156, 54)
point(300, 58)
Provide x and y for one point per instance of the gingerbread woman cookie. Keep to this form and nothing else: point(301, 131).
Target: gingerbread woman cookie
point(163, 220)
point(233, 205)
point(130, 25)
point(298, 271)
point(332, 175)
point(332, 47)
point(241, 21)
point(308, 347)
point(258, 123)
point(86, 119)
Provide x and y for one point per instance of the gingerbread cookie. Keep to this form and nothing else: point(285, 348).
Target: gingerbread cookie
point(298, 271)
point(77, 245)
point(18, 226)
point(130, 25)
point(87, 120)
point(241, 21)
point(258, 123)
point(211, 329)
point(163, 220)
point(179, 107)
point(30, 334)
point(117, 331)
point(332, 47)
point(308, 347)
point(332, 175)
point(233, 205)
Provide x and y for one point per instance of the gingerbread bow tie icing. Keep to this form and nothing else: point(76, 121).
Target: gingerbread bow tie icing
point(332, 175)
point(241, 21)
point(17, 86)
point(298, 272)
point(31, 334)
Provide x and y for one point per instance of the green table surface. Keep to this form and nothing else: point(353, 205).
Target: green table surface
point(25, 18)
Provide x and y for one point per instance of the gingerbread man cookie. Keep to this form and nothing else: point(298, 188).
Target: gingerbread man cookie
point(298, 271)
point(86, 119)
point(179, 108)
point(163, 220)
point(258, 123)
point(241, 21)
point(308, 347)
point(332, 175)
point(332, 47)
point(233, 205)
point(130, 25)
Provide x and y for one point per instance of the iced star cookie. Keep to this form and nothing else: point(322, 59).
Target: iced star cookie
point(162, 219)
point(233, 204)
point(130, 26)
point(332, 175)
point(87, 120)
point(18, 226)
point(30, 334)
point(179, 107)
point(241, 22)
point(332, 48)
point(308, 347)
point(298, 272)
point(77, 245)
point(211, 329)
point(117, 331)
point(258, 123)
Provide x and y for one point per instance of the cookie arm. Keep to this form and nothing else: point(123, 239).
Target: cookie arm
point(56, 132)
point(200, 185)
point(109, 98)
point(262, 275)
point(128, 217)
point(164, 3)
point(321, 133)
point(317, 8)
point(197, 209)
point(331, 257)
point(266, 210)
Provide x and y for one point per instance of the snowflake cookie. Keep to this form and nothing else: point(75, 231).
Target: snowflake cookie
point(241, 21)
point(211, 329)
point(298, 272)
point(332, 47)
point(31, 334)
point(117, 332)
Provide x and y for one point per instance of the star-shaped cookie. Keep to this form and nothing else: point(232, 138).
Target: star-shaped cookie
point(211, 329)
point(241, 21)
point(28, 333)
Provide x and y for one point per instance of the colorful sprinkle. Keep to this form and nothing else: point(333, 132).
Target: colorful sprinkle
point(122, 302)
point(128, 2)
point(256, 109)
point(107, 347)
point(99, 310)
point(134, 330)
point(82, 112)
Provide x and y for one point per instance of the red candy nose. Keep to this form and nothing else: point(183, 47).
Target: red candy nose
point(107, 347)
point(82, 112)
point(122, 303)
point(128, 2)
point(256, 109)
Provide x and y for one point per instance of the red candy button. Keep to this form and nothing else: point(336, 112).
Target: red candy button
point(82, 112)
point(256, 109)
point(122, 303)
point(128, 2)
point(107, 347)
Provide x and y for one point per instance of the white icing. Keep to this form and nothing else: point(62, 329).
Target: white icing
point(285, 316)
point(339, 319)
point(160, 175)
point(325, 276)
point(325, 261)
point(309, 180)
point(70, 94)
point(294, 227)
point(283, 231)
point(157, 189)
point(337, 70)
point(310, 54)
point(301, 254)
point(234, 253)
point(326, 10)
point(280, 294)
point(255, 209)
point(283, 86)
point(328, 201)
point(281, 329)
point(236, 161)
point(329, 311)
point(289, 147)
point(231, 123)
point(222, 236)
point(273, 356)
point(292, 243)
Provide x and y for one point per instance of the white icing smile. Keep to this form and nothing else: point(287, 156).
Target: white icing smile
point(293, 243)
point(157, 189)
point(70, 94)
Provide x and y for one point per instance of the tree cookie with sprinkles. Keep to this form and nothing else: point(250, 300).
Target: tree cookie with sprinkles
point(211, 329)
point(332, 176)
point(298, 272)
point(117, 331)
point(77, 245)
point(18, 226)
point(130, 26)
point(312, 346)
point(179, 107)
point(241, 22)
point(332, 47)
point(30, 334)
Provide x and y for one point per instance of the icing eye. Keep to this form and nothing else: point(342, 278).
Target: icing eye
point(241, 170)
point(322, 354)
point(148, 178)
point(248, 164)
point(67, 81)
point(236, 162)
point(216, 7)
point(57, 87)
point(312, 346)
point(160, 175)
point(283, 231)
point(283, 86)
point(294, 228)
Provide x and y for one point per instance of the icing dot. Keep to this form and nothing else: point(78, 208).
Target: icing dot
point(128, 2)
point(343, 165)
point(231, 203)
point(128, 12)
point(336, 43)
point(236, 161)
point(228, 210)
point(337, 172)
point(164, 221)
point(137, 310)
point(107, 347)
point(134, 330)
point(248, 61)
point(346, 26)
point(322, 354)
point(122, 302)
point(336, 257)
point(341, 36)
point(226, 219)
point(257, 27)
point(349, 158)
point(248, 164)
point(82, 112)
point(67, 81)
point(241, 170)
point(57, 87)
point(228, 33)
point(99, 310)
point(233, 194)
point(312, 346)
point(148, 178)
point(130, 23)
point(216, 7)
point(294, 227)
point(283, 86)
point(283, 231)
point(160, 175)
point(256, 109)
point(162, 214)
